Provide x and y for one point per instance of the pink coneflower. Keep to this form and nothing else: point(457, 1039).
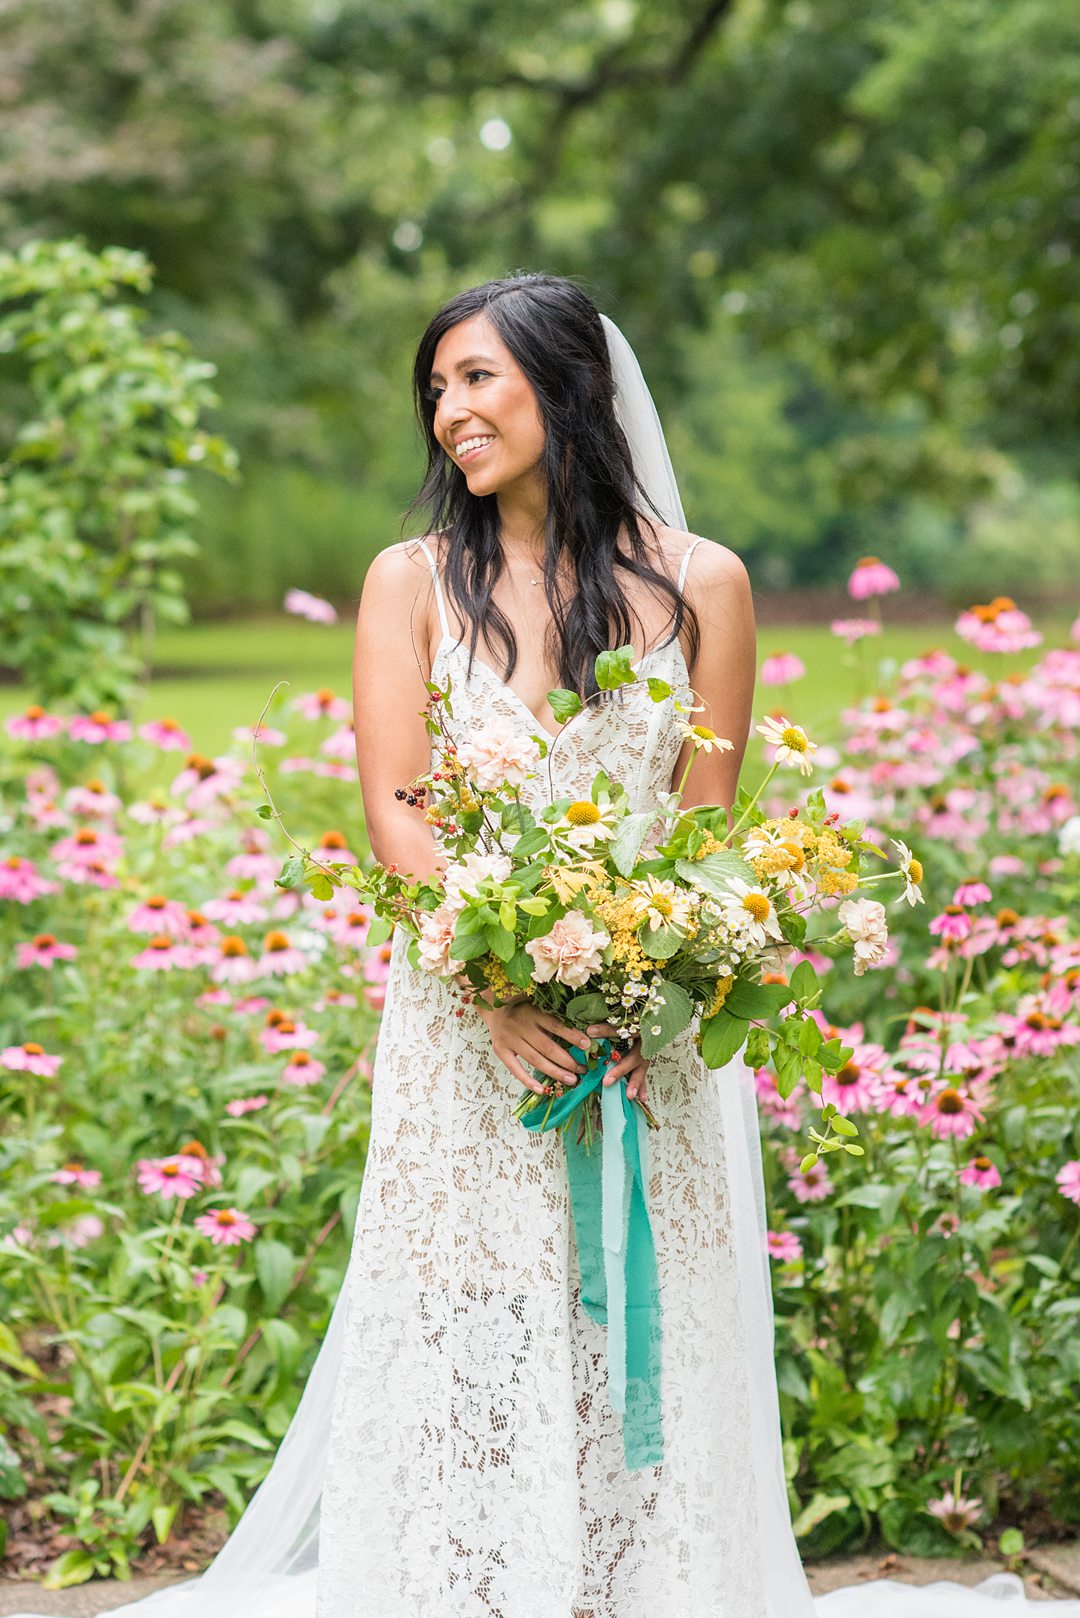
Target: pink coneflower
point(203, 780)
point(34, 725)
point(781, 668)
point(1036, 1029)
point(98, 727)
point(1068, 1180)
point(75, 1174)
point(313, 608)
point(251, 1005)
point(953, 925)
point(159, 915)
point(19, 880)
point(207, 1167)
point(45, 813)
point(266, 735)
point(165, 734)
point(234, 964)
point(854, 630)
point(93, 800)
point(199, 930)
point(335, 772)
point(333, 849)
point(91, 873)
point(258, 868)
point(972, 893)
point(30, 1058)
point(855, 1087)
point(155, 811)
point(898, 1094)
point(303, 1069)
point(174, 1176)
point(214, 997)
point(163, 954)
point(813, 1186)
point(954, 1512)
point(999, 626)
point(335, 1000)
point(321, 704)
point(243, 1104)
point(341, 743)
point(83, 1230)
point(283, 1034)
point(951, 1111)
point(236, 908)
point(353, 928)
point(981, 1172)
point(226, 1227)
point(43, 950)
point(871, 578)
point(88, 845)
point(280, 958)
point(784, 1246)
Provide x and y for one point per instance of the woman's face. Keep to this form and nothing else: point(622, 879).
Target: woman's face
point(486, 415)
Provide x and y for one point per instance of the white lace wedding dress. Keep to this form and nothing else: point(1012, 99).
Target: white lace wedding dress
point(457, 1424)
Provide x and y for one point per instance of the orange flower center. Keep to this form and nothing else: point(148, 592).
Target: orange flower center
point(161, 941)
point(275, 942)
point(950, 1101)
point(332, 839)
point(34, 712)
point(32, 1048)
point(44, 940)
point(233, 946)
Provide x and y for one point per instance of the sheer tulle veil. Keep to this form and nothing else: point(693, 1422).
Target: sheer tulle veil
point(268, 1567)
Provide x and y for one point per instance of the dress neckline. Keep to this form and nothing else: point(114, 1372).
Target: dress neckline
point(449, 643)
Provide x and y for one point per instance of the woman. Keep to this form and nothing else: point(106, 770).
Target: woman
point(456, 1424)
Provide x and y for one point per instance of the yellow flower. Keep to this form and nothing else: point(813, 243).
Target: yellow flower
point(720, 994)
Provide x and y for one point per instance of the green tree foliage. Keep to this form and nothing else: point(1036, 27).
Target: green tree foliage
point(94, 497)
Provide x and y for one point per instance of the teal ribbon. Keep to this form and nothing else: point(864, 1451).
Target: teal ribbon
point(620, 1287)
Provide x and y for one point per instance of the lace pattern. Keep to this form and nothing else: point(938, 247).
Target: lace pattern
point(475, 1465)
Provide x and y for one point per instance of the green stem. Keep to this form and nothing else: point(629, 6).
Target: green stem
point(739, 823)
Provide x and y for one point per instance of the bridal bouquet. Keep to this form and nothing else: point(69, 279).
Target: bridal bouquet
point(651, 919)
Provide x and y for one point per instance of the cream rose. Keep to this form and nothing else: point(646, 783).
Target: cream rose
point(570, 953)
point(461, 879)
point(867, 928)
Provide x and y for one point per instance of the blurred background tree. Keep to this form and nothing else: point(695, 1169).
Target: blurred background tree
point(843, 241)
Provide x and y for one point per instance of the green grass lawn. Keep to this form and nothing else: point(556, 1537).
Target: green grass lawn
point(211, 677)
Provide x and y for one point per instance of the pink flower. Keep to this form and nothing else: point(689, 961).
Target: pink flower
point(781, 668)
point(321, 704)
point(29, 1058)
point(437, 929)
point(871, 578)
point(340, 744)
point(954, 1512)
point(19, 880)
point(266, 735)
point(243, 1104)
point(313, 608)
point(84, 1230)
point(87, 846)
point(498, 754)
point(43, 950)
point(972, 893)
point(855, 1087)
point(163, 954)
point(75, 1174)
point(463, 879)
point(999, 626)
point(570, 953)
point(34, 725)
point(284, 1034)
point(953, 925)
point(980, 1171)
point(98, 727)
point(165, 734)
point(280, 958)
point(784, 1246)
point(236, 908)
point(202, 780)
point(93, 800)
point(159, 915)
point(1068, 1180)
point(233, 963)
point(951, 1111)
point(813, 1186)
point(174, 1176)
point(854, 629)
point(226, 1227)
point(303, 1069)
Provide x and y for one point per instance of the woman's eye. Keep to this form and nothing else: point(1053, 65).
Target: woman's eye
point(433, 395)
point(471, 374)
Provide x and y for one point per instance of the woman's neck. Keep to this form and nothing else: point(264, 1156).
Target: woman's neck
point(523, 522)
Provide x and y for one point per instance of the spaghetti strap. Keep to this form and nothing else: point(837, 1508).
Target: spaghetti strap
point(689, 551)
point(436, 581)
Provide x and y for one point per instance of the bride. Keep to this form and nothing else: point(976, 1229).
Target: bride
point(455, 1454)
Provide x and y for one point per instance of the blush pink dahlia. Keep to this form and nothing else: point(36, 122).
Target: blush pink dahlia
point(499, 753)
point(437, 929)
point(570, 953)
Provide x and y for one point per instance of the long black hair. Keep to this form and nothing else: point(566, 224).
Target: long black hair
point(554, 331)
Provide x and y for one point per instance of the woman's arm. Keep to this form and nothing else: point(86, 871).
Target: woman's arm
point(389, 697)
point(724, 673)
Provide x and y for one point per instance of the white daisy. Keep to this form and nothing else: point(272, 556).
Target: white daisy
point(792, 744)
point(751, 912)
point(913, 874)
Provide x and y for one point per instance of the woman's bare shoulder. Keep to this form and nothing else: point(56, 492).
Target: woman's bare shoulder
point(711, 565)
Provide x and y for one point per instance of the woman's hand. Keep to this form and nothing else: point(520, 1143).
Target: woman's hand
point(523, 1037)
point(633, 1066)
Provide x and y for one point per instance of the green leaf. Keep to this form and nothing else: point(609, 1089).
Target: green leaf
point(501, 942)
point(631, 832)
point(321, 886)
point(804, 982)
point(588, 1008)
point(12, 1354)
point(808, 1162)
point(292, 873)
point(659, 943)
point(844, 1126)
point(756, 999)
point(163, 1518)
point(820, 1507)
point(470, 938)
point(615, 668)
point(275, 1266)
point(531, 842)
point(722, 1037)
point(379, 931)
point(659, 690)
point(564, 704)
point(519, 969)
point(711, 873)
point(265, 812)
point(74, 1567)
point(671, 1018)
